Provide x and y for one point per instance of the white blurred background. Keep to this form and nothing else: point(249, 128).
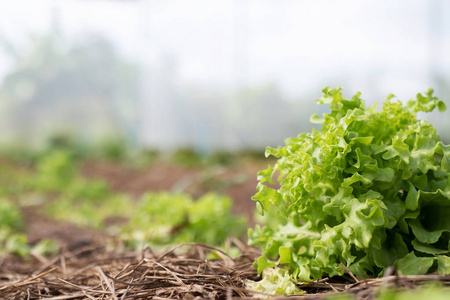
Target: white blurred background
point(209, 75)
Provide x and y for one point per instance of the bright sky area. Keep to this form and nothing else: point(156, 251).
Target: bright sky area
point(377, 47)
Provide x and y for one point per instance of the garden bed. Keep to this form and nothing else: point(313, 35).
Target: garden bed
point(91, 264)
point(93, 272)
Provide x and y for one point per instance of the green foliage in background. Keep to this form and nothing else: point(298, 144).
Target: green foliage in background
point(369, 190)
point(89, 212)
point(10, 216)
point(54, 171)
point(53, 182)
point(83, 201)
point(163, 219)
point(13, 180)
point(12, 237)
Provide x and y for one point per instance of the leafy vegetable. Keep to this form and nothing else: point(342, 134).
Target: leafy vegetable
point(83, 201)
point(54, 171)
point(159, 219)
point(10, 216)
point(275, 282)
point(163, 218)
point(88, 211)
point(12, 238)
point(369, 190)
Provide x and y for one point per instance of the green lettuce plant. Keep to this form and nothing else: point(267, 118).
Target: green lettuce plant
point(162, 219)
point(371, 189)
point(12, 233)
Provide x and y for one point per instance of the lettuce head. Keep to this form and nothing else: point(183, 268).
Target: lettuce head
point(369, 190)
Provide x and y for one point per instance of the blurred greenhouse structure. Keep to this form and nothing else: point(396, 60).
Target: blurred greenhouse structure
point(208, 75)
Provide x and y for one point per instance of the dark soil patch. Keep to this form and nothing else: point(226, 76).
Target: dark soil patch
point(69, 236)
point(135, 182)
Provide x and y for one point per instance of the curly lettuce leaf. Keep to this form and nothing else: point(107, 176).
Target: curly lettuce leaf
point(371, 189)
point(276, 282)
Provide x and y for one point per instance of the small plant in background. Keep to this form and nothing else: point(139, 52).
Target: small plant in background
point(371, 189)
point(10, 216)
point(13, 180)
point(113, 150)
point(187, 157)
point(54, 171)
point(83, 201)
point(157, 219)
point(163, 219)
point(12, 237)
point(90, 212)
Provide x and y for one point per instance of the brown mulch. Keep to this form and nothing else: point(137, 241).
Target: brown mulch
point(95, 273)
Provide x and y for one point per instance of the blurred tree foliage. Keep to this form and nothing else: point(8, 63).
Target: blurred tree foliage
point(85, 88)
